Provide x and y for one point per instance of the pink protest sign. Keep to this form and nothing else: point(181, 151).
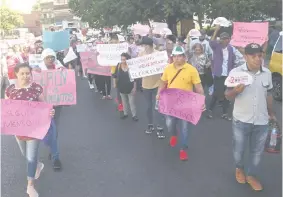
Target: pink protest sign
point(246, 33)
point(89, 61)
point(59, 86)
point(25, 118)
point(181, 104)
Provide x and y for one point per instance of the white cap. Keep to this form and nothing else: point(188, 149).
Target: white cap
point(194, 33)
point(48, 52)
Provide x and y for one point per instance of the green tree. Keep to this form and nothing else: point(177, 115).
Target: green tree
point(244, 10)
point(101, 13)
point(126, 12)
point(36, 6)
point(9, 19)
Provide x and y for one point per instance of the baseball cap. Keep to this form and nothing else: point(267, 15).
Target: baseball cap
point(146, 41)
point(224, 35)
point(178, 50)
point(48, 52)
point(253, 48)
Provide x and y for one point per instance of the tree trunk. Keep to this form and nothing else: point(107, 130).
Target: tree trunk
point(200, 18)
point(172, 24)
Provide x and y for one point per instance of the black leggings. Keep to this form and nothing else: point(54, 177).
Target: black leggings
point(103, 84)
point(218, 94)
point(90, 77)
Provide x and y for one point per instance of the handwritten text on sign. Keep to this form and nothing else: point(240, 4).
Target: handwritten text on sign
point(181, 104)
point(25, 118)
point(59, 86)
point(35, 60)
point(246, 33)
point(148, 65)
point(89, 61)
point(110, 54)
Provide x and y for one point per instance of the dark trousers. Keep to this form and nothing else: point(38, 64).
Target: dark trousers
point(139, 84)
point(218, 94)
point(202, 78)
point(103, 84)
point(90, 77)
point(58, 110)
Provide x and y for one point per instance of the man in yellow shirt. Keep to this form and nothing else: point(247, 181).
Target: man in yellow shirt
point(180, 75)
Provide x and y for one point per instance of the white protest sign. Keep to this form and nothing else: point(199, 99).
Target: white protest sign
point(158, 27)
point(237, 78)
point(70, 56)
point(142, 30)
point(166, 31)
point(81, 48)
point(148, 65)
point(121, 38)
point(222, 21)
point(35, 60)
point(110, 54)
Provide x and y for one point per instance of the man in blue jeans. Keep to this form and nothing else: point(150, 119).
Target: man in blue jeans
point(251, 114)
point(180, 75)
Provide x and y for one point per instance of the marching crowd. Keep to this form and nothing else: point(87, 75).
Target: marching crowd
point(197, 64)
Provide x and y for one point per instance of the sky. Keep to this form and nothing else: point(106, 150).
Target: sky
point(24, 6)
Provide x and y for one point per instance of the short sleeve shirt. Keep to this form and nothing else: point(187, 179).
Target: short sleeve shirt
point(185, 80)
point(251, 106)
point(30, 93)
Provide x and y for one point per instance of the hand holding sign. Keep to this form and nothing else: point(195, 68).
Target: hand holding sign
point(181, 104)
point(239, 88)
point(237, 78)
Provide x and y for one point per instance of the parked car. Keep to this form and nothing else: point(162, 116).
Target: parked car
point(275, 67)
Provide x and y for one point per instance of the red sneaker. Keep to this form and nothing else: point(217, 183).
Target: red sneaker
point(173, 141)
point(183, 155)
point(120, 107)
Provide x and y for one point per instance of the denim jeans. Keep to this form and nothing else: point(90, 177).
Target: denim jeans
point(51, 140)
point(153, 116)
point(29, 150)
point(256, 134)
point(185, 128)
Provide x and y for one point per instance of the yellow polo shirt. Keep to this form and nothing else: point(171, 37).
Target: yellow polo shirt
point(185, 80)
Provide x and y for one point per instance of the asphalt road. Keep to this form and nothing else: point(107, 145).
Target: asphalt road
point(104, 156)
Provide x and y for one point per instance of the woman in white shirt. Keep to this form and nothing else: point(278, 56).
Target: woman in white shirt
point(50, 63)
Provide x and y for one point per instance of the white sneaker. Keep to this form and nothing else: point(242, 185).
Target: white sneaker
point(39, 169)
point(32, 192)
point(91, 86)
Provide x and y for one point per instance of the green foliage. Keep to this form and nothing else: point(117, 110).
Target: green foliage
point(126, 12)
point(245, 10)
point(101, 13)
point(36, 6)
point(9, 19)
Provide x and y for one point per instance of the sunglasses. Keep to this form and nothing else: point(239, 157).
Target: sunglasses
point(50, 58)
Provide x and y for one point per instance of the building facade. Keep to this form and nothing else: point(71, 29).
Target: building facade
point(32, 22)
point(53, 12)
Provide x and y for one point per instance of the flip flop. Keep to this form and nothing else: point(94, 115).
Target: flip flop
point(39, 169)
